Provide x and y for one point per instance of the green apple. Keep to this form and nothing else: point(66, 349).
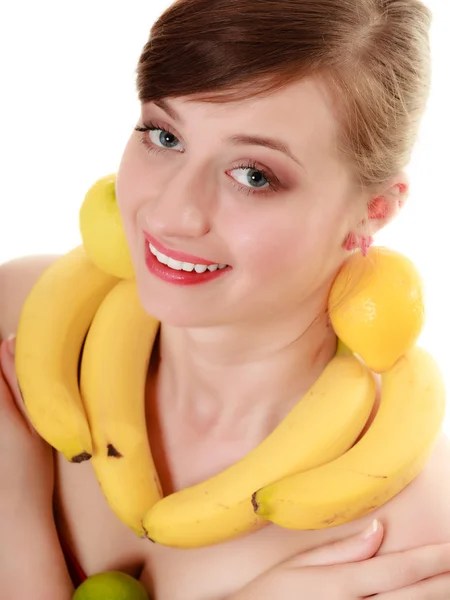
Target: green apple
point(111, 585)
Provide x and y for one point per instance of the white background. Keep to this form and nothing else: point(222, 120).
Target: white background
point(68, 105)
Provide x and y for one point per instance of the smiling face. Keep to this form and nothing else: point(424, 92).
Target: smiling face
point(277, 216)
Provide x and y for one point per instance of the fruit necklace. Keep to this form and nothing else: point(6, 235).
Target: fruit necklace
point(82, 355)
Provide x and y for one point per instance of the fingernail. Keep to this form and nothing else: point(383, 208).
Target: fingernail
point(11, 344)
point(371, 530)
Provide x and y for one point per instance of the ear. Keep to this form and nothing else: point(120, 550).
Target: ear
point(383, 205)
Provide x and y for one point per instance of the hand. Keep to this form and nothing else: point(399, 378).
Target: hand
point(26, 460)
point(348, 570)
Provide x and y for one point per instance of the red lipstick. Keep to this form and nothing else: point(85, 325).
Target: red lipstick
point(176, 255)
point(178, 276)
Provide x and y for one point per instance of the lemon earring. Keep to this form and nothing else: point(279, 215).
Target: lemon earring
point(376, 306)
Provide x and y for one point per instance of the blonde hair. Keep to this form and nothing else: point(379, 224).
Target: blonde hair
point(373, 54)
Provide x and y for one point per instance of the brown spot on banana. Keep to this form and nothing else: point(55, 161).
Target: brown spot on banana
point(112, 451)
point(79, 458)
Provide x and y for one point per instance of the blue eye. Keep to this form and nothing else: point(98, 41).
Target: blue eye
point(256, 179)
point(166, 138)
point(253, 176)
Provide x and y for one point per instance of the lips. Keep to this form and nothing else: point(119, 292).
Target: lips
point(177, 255)
point(180, 277)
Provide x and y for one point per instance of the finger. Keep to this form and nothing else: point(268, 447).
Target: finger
point(9, 371)
point(436, 588)
point(358, 547)
point(399, 570)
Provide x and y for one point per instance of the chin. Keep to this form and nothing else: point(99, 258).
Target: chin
point(173, 307)
point(173, 314)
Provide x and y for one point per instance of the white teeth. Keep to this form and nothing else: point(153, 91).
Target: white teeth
point(175, 264)
point(189, 267)
point(183, 266)
point(200, 268)
point(162, 258)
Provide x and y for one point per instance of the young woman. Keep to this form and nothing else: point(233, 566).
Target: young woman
point(272, 141)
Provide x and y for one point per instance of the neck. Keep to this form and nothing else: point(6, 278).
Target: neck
point(248, 377)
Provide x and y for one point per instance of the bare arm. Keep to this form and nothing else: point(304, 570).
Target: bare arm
point(32, 564)
point(31, 560)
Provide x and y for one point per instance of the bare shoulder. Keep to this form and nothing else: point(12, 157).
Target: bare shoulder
point(420, 515)
point(17, 277)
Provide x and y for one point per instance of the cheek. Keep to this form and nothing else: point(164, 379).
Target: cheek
point(294, 243)
point(125, 192)
point(273, 247)
point(132, 183)
point(139, 180)
point(129, 194)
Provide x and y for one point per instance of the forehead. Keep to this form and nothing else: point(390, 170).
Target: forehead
point(302, 114)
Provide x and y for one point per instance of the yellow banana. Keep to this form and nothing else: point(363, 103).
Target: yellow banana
point(51, 330)
point(323, 425)
point(113, 374)
point(386, 459)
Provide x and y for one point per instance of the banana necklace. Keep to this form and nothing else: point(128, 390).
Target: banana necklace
point(82, 355)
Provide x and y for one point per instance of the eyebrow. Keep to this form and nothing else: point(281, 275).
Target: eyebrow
point(254, 140)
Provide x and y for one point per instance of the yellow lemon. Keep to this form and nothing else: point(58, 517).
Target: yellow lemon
point(102, 230)
point(111, 585)
point(376, 306)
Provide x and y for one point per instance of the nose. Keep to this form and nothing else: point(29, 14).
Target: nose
point(184, 206)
